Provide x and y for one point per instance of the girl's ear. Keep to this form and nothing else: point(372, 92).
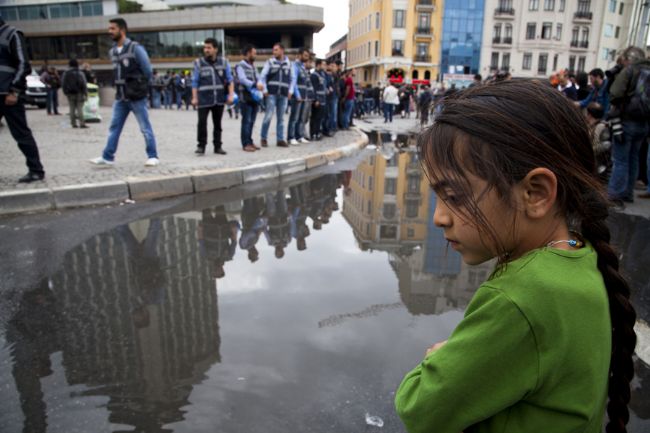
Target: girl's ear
point(538, 192)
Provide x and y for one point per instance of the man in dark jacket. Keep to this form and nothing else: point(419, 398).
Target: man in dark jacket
point(14, 68)
point(74, 88)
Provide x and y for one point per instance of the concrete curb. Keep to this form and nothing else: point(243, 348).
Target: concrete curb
point(152, 188)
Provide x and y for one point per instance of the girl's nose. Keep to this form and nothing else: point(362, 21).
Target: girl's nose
point(441, 217)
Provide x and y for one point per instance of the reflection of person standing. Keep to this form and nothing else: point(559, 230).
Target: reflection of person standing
point(132, 72)
point(14, 68)
point(211, 78)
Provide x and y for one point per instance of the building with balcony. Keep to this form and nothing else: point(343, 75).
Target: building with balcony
point(62, 29)
point(537, 37)
point(394, 40)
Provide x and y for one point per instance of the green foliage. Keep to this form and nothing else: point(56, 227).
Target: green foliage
point(128, 6)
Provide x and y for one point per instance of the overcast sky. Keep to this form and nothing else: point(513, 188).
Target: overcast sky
point(335, 17)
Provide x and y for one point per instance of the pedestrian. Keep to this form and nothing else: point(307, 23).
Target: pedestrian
point(277, 81)
point(90, 76)
point(348, 97)
point(601, 137)
point(566, 86)
point(75, 89)
point(51, 79)
point(547, 342)
point(187, 94)
point(424, 104)
point(299, 102)
point(167, 82)
point(250, 96)
point(157, 88)
point(630, 96)
point(309, 99)
point(319, 83)
point(211, 80)
point(179, 86)
point(332, 98)
point(14, 69)
point(599, 91)
point(391, 100)
point(132, 72)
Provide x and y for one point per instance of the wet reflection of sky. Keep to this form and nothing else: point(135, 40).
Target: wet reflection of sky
point(133, 332)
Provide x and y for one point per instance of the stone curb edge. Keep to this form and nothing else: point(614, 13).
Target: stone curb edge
point(151, 188)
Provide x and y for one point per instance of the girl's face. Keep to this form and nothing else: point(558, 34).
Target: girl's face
point(461, 229)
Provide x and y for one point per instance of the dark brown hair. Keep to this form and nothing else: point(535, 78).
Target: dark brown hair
point(502, 131)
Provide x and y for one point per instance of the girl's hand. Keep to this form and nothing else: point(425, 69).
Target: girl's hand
point(435, 347)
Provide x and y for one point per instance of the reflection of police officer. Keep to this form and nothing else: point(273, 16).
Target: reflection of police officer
point(14, 68)
point(219, 238)
point(253, 224)
point(278, 234)
point(298, 214)
point(211, 78)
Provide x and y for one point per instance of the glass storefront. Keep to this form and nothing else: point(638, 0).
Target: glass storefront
point(52, 11)
point(462, 29)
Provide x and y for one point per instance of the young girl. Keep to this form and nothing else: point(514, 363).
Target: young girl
point(547, 341)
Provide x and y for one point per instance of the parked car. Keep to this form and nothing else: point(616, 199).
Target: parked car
point(36, 93)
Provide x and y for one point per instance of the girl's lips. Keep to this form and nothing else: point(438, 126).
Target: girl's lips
point(453, 244)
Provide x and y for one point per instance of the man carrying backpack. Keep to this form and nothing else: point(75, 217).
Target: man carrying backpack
point(630, 92)
point(74, 88)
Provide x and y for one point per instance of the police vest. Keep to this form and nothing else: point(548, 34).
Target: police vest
point(249, 71)
point(125, 66)
point(279, 77)
point(212, 82)
point(7, 65)
point(320, 89)
point(302, 80)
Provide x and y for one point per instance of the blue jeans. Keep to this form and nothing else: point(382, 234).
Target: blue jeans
point(167, 98)
point(121, 110)
point(347, 113)
point(155, 98)
point(52, 102)
point(295, 120)
point(332, 114)
point(179, 98)
point(625, 156)
point(388, 112)
point(278, 104)
point(248, 115)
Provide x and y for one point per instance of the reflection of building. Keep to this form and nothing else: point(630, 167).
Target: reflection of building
point(173, 38)
point(462, 29)
point(398, 38)
point(387, 207)
point(137, 322)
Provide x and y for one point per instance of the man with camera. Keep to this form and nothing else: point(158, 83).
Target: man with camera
point(132, 72)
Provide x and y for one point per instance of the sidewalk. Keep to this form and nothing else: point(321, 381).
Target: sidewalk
point(71, 181)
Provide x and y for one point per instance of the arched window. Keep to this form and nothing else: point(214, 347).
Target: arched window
point(427, 75)
point(415, 74)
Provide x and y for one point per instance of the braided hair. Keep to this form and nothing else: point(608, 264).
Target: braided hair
point(503, 131)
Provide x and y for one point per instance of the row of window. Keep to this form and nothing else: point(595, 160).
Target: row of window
point(365, 26)
point(549, 5)
point(52, 11)
point(399, 22)
point(547, 33)
point(542, 62)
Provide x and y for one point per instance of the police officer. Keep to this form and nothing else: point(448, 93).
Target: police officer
point(299, 102)
point(247, 77)
point(211, 78)
point(132, 72)
point(319, 82)
point(14, 68)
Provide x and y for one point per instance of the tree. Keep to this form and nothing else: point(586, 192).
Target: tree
point(128, 6)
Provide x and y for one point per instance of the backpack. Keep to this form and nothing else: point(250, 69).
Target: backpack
point(72, 83)
point(638, 106)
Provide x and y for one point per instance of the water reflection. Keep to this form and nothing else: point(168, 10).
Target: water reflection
point(334, 320)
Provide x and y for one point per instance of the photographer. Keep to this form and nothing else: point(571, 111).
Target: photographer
point(629, 97)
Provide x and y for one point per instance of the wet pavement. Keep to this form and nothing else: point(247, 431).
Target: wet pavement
point(265, 308)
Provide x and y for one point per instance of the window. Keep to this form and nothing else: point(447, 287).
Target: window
point(562, 5)
point(422, 49)
point(505, 61)
point(371, 183)
point(581, 63)
point(369, 207)
point(496, 34)
point(605, 53)
point(412, 208)
point(377, 21)
point(387, 232)
point(413, 184)
point(528, 61)
point(390, 186)
point(424, 21)
point(549, 5)
point(558, 32)
point(389, 210)
point(620, 8)
point(617, 33)
point(542, 64)
point(575, 35)
point(409, 231)
point(533, 5)
point(609, 30)
point(531, 29)
point(398, 18)
point(494, 63)
point(612, 6)
point(369, 48)
point(398, 48)
point(508, 33)
point(547, 30)
point(376, 48)
point(584, 6)
point(572, 63)
point(585, 35)
point(555, 59)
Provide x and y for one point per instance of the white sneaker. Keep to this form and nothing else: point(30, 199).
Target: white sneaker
point(293, 142)
point(152, 162)
point(102, 162)
point(303, 140)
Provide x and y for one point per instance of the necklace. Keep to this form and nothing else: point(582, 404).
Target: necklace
point(572, 243)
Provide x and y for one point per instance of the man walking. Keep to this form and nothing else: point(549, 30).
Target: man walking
point(277, 81)
point(247, 76)
point(211, 78)
point(14, 68)
point(132, 72)
point(74, 88)
point(299, 101)
point(319, 82)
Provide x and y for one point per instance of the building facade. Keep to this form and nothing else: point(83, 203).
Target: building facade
point(534, 38)
point(395, 40)
point(173, 38)
point(462, 29)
